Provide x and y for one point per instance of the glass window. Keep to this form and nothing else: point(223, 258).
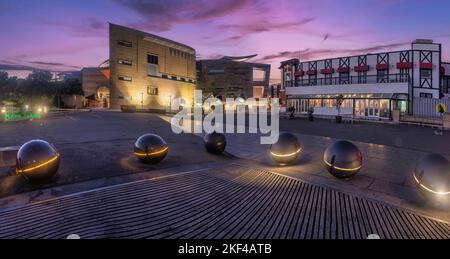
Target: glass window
point(152, 59)
point(125, 62)
point(344, 78)
point(125, 43)
point(426, 95)
point(382, 76)
point(125, 78)
point(152, 90)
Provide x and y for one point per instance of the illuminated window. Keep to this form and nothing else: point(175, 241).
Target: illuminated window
point(125, 62)
point(125, 78)
point(152, 90)
point(125, 43)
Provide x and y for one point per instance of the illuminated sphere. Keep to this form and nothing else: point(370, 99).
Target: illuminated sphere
point(37, 160)
point(215, 143)
point(343, 159)
point(286, 150)
point(432, 175)
point(150, 149)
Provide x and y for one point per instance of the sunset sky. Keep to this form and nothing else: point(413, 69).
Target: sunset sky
point(67, 35)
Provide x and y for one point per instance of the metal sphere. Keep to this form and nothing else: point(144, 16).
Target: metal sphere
point(37, 160)
point(215, 143)
point(150, 149)
point(343, 159)
point(432, 175)
point(286, 150)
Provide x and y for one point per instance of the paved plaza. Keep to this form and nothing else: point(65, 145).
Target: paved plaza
point(97, 157)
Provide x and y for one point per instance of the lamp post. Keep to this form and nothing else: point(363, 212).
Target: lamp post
point(170, 103)
point(142, 100)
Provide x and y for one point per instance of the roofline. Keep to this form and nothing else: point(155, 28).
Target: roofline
point(233, 61)
point(151, 35)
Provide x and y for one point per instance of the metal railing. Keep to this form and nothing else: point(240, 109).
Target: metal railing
point(371, 79)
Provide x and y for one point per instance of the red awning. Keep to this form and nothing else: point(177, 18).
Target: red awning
point(312, 72)
point(382, 66)
point(426, 66)
point(327, 71)
point(361, 68)
point(401, 65)
point(343, 70)
point(299, 73)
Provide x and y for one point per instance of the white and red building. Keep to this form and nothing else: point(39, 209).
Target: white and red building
point(372, 84)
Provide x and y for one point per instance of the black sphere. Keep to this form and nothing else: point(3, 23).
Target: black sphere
point(432, 175)
point(343, 159)
point(37, 160)
point(286, 150)
point(150, 149)
point(215, 143)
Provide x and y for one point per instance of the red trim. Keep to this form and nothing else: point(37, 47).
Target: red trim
point(343, 70)
point(426, 66)
point(327, 71)
point(312, 72)
point(401, 65)
point(361, 68)
point(382, 66)
point(299, 73)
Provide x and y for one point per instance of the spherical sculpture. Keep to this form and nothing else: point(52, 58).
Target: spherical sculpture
point(150, 149)
point(432, 175)
point(343, 159)
point(215, 143)
point(37, 160)
point(286, 150)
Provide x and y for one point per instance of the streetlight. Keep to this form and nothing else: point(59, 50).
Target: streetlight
point(142, 100)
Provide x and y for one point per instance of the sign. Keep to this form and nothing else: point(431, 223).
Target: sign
point(440, 108)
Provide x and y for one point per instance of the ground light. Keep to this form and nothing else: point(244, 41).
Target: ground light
point(37, 160)
point(286, 150)
point(150, 149)
point(432, 175)
point(343, 159)
point(215, 143)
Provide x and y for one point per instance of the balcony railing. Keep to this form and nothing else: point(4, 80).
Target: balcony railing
point(372, 79)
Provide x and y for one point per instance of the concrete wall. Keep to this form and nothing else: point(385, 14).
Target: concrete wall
point(175, 61)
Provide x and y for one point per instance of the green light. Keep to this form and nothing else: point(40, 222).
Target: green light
point(33, 116)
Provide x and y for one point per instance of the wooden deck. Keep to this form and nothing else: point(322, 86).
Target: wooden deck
point(235, 204)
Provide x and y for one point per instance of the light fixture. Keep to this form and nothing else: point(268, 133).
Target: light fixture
point(37, 160)
point(286, 150)
point(150, 148)
point(215, 143)
point(432, 175)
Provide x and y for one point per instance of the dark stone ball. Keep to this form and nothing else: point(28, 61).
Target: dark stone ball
point(432, 175)
point(215, 143)
point(37, 160)
point(286, 150)
point(343, 159)
point(150, 149)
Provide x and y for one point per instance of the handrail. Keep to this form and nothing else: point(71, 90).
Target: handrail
point(370, 79)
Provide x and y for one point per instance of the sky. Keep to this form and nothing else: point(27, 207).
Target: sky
point(63, 35)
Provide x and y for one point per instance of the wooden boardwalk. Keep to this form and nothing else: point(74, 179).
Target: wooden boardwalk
point(243, 204)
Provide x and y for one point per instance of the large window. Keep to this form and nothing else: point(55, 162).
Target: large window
point(404, 74)
point(362, 77)
point(152, 61)
point(425, 78)
point(312, 79)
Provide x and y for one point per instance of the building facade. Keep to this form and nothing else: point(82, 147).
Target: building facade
point(232, 77)
point(372, 85)
point(95, 87)
point(147, 71)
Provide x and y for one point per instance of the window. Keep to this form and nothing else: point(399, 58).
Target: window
point(328, 79)
point(152, 90)
point(152, 59)
point(426, 95)
point(382, 76)
point(425, 78)
point(362, 77)
point(404, 74)
point(344, 78)
point(125, 62)
point(313, 80)
point(125, 78)
point(216, 71)
point(125, 43)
